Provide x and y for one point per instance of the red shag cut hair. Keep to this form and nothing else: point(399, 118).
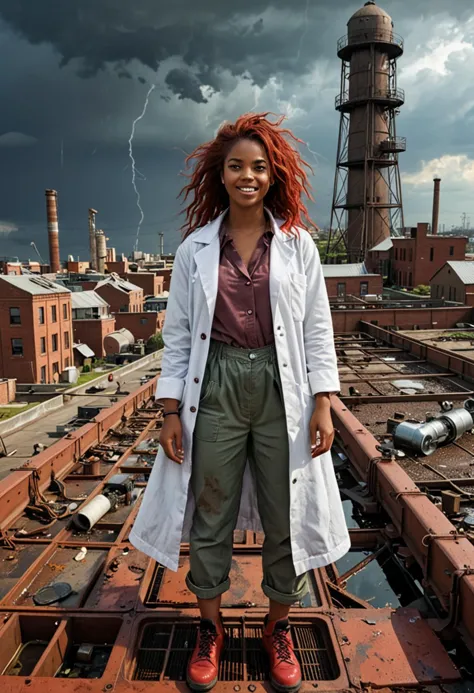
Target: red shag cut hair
point(210, 197)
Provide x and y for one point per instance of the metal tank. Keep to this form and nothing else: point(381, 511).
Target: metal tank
point(118, 342)
point(367, 203)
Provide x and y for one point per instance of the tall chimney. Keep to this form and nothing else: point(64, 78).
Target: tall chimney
point(92, 243)
point(435, 219)
point(162, 244)
point(101, 251)
point(53, 230)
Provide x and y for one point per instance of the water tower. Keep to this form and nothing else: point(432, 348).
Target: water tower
point(367, 201)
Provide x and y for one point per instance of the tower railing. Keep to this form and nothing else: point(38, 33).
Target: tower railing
point(397, 96)
point(362, 38)
point(393, 144)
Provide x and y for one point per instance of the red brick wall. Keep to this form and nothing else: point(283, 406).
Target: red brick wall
point(166, 274)
point(151, 283)
point(119, 266)
point(446, 284)
point(353, 284)
point(417, 253)
point(405, 318)
point(118, 299)
point(92, 332)
point(7, 391)
point(79, 267)
point(141, 325)
point(27, 368)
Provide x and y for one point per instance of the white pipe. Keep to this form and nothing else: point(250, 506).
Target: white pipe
point(91, 513)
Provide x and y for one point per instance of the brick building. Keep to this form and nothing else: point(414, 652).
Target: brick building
point(91, 320)
point(150, 282)
point(7, 390)
point(10, 267)
point(454, 282)
point(166, 274)
point(35, 329)
point(121, 295)
point(351, 280)
point(79, 267)
point(414, 257)
point(141, 325)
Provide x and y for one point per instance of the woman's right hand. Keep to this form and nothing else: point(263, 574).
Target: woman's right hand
point(171, 438)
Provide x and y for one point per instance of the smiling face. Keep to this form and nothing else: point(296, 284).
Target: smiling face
point(246, 173)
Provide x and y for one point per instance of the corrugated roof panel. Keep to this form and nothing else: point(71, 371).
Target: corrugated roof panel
point(34, 285)
point(87, 299)
point(464, 269)
point(355, 269)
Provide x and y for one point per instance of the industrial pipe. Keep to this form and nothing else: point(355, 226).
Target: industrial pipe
point(426, 437)
point(91, 513)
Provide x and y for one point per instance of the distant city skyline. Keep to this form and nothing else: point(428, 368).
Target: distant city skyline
point(69, 104)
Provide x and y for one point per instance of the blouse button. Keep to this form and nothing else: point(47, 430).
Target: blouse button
point(193, 409)
point(248, 283)
point(249, 312)
point(203, 336)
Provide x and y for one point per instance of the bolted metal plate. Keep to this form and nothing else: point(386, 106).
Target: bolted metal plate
point(383, 647)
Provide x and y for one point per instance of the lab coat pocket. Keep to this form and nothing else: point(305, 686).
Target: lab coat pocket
point(298, 295)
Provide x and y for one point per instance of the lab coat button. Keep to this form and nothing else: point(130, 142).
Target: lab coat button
point(196, 380)
point(193, 409)
point(294, 481)
point(203, 336)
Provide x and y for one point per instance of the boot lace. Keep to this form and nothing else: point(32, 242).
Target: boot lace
point(282, 646)
point(207, 640)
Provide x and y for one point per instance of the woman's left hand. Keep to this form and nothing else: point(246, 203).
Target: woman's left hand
point(321, 430)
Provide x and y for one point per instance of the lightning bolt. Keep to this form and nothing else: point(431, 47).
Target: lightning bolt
point(304, 32)
point(134, 169)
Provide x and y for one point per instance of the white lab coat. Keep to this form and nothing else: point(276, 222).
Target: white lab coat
point(307, 364)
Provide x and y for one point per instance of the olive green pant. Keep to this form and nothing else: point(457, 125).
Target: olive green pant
point(241, 417)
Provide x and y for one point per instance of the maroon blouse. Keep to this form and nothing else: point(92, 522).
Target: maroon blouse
point(243, 314)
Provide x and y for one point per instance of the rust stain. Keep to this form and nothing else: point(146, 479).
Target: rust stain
point(212, 496)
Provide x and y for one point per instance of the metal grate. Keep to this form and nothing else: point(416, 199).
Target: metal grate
point(152, 598)
point(165, 649)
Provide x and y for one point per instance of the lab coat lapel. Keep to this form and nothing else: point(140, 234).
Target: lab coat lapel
point(207, 260)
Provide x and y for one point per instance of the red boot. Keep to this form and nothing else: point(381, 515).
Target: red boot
point(285, 672)
point(203, 667)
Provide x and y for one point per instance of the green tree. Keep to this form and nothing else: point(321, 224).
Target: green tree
point(422, 290)
point(155, 343)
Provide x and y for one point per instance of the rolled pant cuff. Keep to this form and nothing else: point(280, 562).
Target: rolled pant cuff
point(282, 598)
point(207, 592)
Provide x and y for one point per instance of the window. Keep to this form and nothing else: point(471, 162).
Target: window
point(65, 311)
point(41, 315)
point(43, 345)
point(143, 321)
point(410, 279)
point(54, 314)
point(55, 342)
point(17, 347)
point(66, 362)
point(15, 318)
point(66, 340)
point(451, 250)
point(55, 368)
point(431, 254)
point(410, 255)
point(396, 253)
point(364, 288)
point(43, 374)
point(341, 289)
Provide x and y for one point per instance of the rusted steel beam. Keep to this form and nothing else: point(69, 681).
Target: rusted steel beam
point(396, 376)
point(446, 558)
point(395, 399)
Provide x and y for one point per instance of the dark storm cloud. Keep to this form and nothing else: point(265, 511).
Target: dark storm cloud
point(241, 37)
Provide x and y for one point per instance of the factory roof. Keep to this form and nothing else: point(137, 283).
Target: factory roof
point(384, 245)
point(87, 299)
point(463, 268)
point(354, 269)
point(35, 285)
point(85, 350)
point(119, 283)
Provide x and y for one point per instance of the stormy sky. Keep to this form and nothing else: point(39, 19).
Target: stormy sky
point(75, 76)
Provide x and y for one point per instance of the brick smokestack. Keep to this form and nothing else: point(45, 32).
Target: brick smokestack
point(92, 240)
point(53, 230)
point(435, 219)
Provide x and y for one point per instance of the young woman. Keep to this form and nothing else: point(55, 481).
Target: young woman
point(248, 369)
